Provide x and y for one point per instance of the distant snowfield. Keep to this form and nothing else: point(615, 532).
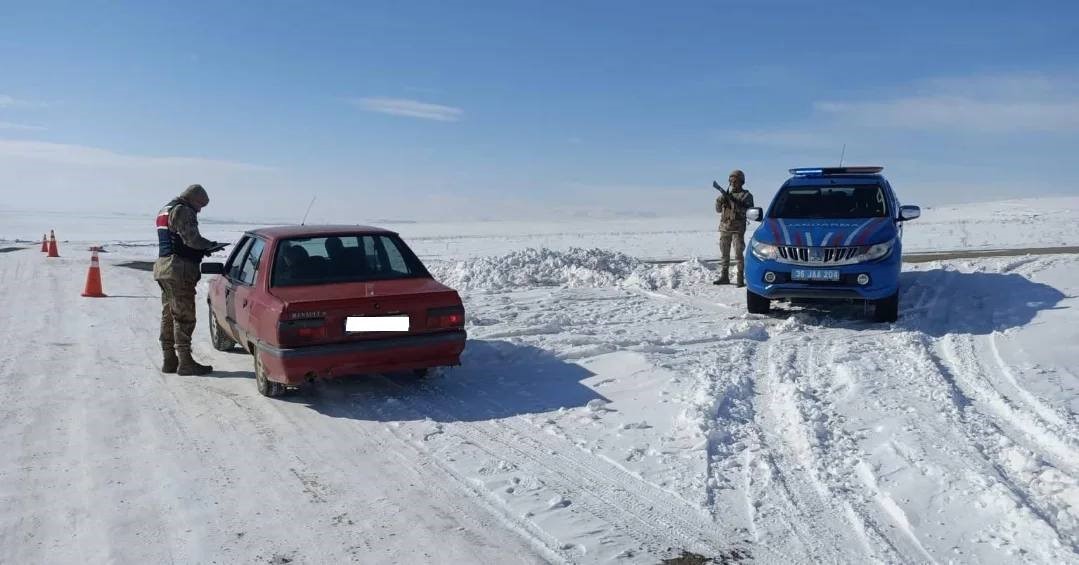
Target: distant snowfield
point(606, 410)
point(1011, 224)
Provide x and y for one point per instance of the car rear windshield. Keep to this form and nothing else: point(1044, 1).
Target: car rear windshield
point(344, 258)
point(831, 202)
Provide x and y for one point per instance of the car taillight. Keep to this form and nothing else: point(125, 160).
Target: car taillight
point(299, 332)
point(450, 317)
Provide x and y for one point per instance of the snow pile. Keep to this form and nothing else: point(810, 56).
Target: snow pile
point(532, 267)
point(655, 277)
point(575, 267)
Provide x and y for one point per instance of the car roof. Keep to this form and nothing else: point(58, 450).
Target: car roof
point(289, 232)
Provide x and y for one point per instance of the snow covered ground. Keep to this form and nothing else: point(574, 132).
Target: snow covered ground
point(607, 410)
point(1011, 224)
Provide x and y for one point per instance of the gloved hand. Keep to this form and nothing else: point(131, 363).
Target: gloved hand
point(214, 247)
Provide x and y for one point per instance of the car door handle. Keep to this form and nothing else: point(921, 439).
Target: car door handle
point(245, 303)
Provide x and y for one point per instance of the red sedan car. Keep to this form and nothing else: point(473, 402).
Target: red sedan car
point(312, 302)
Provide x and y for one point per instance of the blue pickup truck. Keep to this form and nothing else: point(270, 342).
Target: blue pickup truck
point(829, 233)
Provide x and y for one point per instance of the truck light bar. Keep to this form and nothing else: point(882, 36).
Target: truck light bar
point(822, 171)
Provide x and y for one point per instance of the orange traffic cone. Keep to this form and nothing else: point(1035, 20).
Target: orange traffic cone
point(53, 251)
point(93, 278)
point(44, 243)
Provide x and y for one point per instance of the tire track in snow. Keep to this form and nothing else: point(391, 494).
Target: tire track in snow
point(1023, 449)
point(1046, 412)
point(633, 507)
point(793, 436)
point(961, 355)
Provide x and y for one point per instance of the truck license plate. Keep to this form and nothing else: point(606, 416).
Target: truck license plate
point(830, 275)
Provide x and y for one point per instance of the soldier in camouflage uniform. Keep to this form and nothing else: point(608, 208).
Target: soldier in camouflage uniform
point(731, 208)
point(180, 251)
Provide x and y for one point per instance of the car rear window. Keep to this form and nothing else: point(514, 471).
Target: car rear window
point(344, 258)
point(831, 202)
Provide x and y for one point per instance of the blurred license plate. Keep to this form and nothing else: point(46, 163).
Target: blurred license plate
point(376, 324)
point(814, 275)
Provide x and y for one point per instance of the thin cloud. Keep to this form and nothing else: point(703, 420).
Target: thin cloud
point(20, 127)
point(57, 176)
point(410, 108)
point(958, 113)
point(995, 103)
point(96, 157)
point(7, 101)
point(1018, 103)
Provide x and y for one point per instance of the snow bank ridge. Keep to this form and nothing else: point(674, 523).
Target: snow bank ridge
point(575, 267)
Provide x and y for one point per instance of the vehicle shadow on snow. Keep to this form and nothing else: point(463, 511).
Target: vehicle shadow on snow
point(496, 379)
point(941, 301)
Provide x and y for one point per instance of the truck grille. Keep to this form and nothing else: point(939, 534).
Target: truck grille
point(819, 255)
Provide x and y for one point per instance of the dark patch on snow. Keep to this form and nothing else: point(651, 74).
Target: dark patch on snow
point(10, 249)
point(725, 558)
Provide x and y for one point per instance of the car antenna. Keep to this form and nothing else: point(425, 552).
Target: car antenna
point(304, 221)
point(843, 154)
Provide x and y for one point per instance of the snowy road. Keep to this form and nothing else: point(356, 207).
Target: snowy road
point(612, 418)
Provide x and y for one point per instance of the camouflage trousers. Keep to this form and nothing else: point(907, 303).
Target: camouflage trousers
point(177, 315)
point(726, 238)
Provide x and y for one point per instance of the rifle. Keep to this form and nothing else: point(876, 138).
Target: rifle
point(727, 197)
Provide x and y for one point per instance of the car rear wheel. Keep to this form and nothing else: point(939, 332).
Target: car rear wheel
point(218, 338)
point(757, 304)
point(266, 386)
point(886, 309)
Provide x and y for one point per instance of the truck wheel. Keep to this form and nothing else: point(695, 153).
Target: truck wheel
point(220, 341)
point(266, 386)
point(757, 304)
point(886, 309)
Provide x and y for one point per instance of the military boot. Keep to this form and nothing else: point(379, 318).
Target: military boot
point(740, 281)
point(724, 277)
point(171, 362)
point(189, 367)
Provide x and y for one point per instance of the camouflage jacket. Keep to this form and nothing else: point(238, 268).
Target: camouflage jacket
point(732, 216)
point(183, 220)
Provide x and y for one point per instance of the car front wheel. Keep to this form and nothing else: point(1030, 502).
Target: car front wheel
point(887, 309)
point(218, 338)
point(757, 304)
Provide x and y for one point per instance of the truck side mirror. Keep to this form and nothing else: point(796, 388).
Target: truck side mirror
point(755, 214)
point(909, 213)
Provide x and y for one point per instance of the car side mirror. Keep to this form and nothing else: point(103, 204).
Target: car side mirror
point(755, 214)
point(909, 213)
point(213, 268)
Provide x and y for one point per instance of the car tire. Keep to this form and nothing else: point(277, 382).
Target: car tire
point(886, 309)
point(757, 304)
point(266, 386)
point(220, 341)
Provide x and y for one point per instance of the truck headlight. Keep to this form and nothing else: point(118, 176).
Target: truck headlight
point(763, 251)
point(878, 251)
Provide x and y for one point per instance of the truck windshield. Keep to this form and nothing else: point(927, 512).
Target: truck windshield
point(344, 258)
point(830, 202)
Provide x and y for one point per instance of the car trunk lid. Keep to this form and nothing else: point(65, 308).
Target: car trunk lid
point(319, 314)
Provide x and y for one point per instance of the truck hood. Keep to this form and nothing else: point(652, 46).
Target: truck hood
point(826, 233)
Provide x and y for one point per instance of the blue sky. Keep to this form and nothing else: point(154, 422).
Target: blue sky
point(512, 109)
